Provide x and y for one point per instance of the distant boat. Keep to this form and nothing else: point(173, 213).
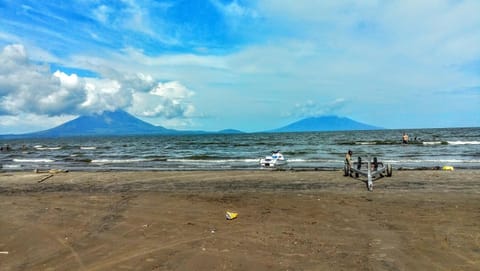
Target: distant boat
point(276, 159)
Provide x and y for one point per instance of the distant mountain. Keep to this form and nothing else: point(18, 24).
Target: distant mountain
point(325, 123)
point(116, 122)
point(108, 123)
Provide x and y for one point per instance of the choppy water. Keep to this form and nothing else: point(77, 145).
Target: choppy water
point(459, 147)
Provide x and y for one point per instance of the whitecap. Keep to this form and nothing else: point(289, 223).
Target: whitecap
point(464, 142)
point(41, 148)
point(432, 142)
point(38, 160)
point(118, 161)
point(11, 166)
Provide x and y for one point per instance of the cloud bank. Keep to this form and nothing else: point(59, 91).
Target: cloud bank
point(27, 87)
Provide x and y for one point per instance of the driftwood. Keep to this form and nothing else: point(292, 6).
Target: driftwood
point(44, 178)
point(51, 173)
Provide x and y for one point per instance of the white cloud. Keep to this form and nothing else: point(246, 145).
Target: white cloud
point(28, 88)
point(145, 18)
point(172, 90)
point(166, 100)
point(234, 9)
point(104, 95)
point(67, 81)
point(102, 13)
point(13, 54)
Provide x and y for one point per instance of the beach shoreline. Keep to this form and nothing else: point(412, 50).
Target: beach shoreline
point(287, 220)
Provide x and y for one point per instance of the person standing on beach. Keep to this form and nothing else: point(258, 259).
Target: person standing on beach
point(348, 163)
point(348, 158)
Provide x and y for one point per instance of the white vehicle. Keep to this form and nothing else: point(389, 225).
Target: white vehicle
point(275, 160)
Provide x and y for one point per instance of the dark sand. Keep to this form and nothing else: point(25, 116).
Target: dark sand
point(287, 220)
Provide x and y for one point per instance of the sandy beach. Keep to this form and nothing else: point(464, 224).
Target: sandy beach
point(287, 220)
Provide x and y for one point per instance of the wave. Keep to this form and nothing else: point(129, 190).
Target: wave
point(464, 142)
point(300, 152)
point(387, 142)
point(8, 166)
point(201, 157)
point(372, 142)
point(88, 148)
point(206, 157)
point(367, 143)
point(159, 159)
point(119, 161)
point(394, 161)
point(418, 142)
point(433, 142)
point(42, 148)
point(186, 160)
point(38, 160)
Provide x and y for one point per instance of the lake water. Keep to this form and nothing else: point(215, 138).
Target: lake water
point(458, 147)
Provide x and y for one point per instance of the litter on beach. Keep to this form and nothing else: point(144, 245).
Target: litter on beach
point(231, 215)
point(448, 168)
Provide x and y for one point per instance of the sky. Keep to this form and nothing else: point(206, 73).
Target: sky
point(242, 64)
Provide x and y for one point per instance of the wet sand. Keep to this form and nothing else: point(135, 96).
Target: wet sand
point(287, 220)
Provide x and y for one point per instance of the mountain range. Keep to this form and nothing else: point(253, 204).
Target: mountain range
point(120, 122)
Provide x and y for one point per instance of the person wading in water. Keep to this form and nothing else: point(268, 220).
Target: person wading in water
point(405, 138)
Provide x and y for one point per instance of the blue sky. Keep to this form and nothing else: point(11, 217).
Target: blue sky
point(248, 65)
